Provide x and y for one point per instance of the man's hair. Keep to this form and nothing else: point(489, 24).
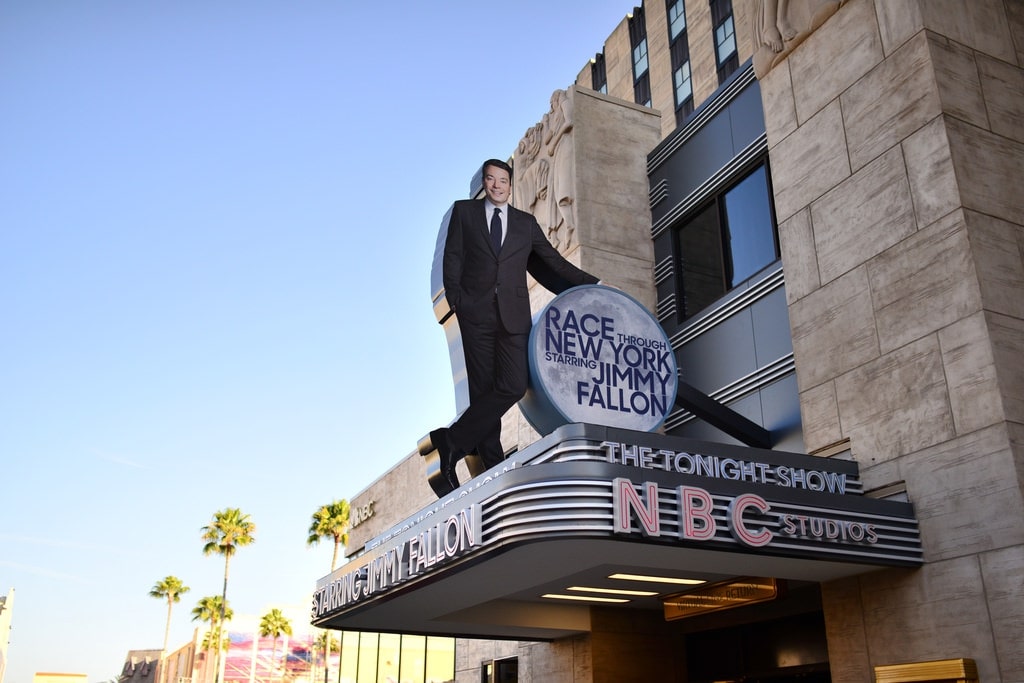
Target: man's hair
point(497, 163)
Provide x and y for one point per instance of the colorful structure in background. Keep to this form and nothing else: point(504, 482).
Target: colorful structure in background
point(6, 607)
point(253, 657)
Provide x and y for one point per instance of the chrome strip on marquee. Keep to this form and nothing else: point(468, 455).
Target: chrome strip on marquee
point(585, 483)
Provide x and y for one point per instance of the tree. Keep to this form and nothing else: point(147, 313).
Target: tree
point(274, 623)
point(330, 521)
point(208, 610)
point(171, 588)
point(229, 529)
point(325, 645)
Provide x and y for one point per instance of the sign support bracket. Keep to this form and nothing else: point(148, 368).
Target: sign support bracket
point(719, 415)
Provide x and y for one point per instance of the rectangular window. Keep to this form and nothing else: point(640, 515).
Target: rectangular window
point(679, 50)
point(676, 18)
point(440, 658)
point(500, 671)
point(726, 242)
point(367, 659)
point(725, 38)
point(412, 662)
point(598, 75)
point(374, 657)
point(388, 656)
point(640, 59)
point(684, 88)
point(642, 90)
point(638, 44)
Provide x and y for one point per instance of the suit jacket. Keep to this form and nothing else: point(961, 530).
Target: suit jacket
point(474, 276)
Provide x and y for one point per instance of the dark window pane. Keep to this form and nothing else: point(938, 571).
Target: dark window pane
point(598, 76)
point(642, 90)
point(747, 227)
point(700, 258)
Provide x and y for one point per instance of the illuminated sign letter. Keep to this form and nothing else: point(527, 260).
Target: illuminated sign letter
point(626, 498)
point(695, 505)
point(740, 532)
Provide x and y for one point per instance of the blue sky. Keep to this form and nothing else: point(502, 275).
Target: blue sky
point(216, 226)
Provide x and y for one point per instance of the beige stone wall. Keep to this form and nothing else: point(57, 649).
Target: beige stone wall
point(896, 147)
point(611, 138)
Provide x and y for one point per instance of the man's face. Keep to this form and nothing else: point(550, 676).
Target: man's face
point(497, 185)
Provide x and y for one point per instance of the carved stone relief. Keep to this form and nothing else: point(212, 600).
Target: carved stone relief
point(780, 25)
point(545, 173)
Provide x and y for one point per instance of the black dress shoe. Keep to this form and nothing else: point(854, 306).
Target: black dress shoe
point(441, 475)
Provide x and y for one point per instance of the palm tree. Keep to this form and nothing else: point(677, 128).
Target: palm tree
point(171, 588)
point(209, 610)
point(328, 645)
point(274, 623)
point(330, 521)
point(229, 529)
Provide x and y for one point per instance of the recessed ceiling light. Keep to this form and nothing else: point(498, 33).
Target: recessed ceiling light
point(556, 596)
point(612, 591)
point(657, 579)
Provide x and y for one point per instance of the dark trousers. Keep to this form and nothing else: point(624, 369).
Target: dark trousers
point(497, 371)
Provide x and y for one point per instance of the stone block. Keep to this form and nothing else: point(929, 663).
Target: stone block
point(820, 416)
point(924, 283)
point(1015, 19)
point(927, 614)
point(877, 475)
point(981, 25)
point(895, 404)
point(897, 22)
point(833, 330)
point(617, 64)
point(957, 80)
point(702, 52)
point(1007, 336)
point(998, 250)
point(967, 356)
point(930, 172)
point(1003, 88)
point(779, 105)
point(549, 661)
point(1002, 574)
point(890, 102)
point(989, 169)
point(844, 629)
point(832, 59)
point(809, 162)
point(796, 239)
point(966, 495)
point(863, 216)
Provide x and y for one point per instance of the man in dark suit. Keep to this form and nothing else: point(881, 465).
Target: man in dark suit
point(489, 249)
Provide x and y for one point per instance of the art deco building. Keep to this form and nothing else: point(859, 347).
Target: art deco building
point(819, 202)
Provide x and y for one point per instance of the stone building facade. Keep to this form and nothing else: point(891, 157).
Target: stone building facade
point(882, 323)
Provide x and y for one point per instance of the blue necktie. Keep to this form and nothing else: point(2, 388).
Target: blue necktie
point(496, 230)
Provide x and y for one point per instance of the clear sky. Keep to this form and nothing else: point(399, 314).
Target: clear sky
point(216, 227)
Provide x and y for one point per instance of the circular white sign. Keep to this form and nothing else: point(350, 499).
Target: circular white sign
point(597, 356)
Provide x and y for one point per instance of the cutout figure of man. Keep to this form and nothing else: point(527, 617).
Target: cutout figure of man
point(489, 249)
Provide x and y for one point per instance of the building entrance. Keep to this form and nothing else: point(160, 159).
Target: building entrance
point(789, 649)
